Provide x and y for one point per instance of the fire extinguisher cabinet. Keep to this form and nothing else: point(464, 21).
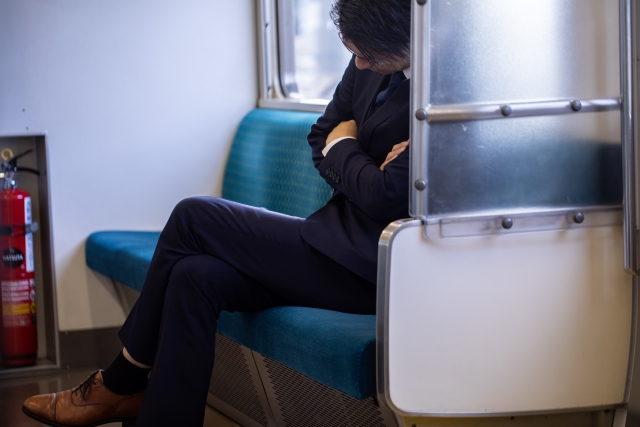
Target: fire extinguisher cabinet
point(28, 326)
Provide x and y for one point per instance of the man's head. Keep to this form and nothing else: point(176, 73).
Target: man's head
point(378, 32)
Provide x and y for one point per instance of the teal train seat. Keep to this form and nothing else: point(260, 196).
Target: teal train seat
point(269, 166)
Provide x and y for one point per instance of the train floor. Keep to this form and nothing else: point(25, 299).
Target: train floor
point(14, 391)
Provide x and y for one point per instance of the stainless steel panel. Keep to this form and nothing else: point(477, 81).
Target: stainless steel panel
point(490, 50)
point(527, 53)
point(534, 163)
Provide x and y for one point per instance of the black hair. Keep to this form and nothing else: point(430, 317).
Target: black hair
point(380, 29)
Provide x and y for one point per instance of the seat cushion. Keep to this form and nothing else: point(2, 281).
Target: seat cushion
point(335, 349)
point(270, 164)
point(123, 256)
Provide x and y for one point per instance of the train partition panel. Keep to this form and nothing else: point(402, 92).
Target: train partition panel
point(508, 295)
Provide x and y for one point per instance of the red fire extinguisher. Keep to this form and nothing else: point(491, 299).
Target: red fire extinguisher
point(18, 331)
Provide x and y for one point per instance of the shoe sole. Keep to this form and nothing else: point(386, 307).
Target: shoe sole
point(124, 421)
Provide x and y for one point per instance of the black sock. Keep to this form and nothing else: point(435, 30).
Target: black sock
point(123, 377)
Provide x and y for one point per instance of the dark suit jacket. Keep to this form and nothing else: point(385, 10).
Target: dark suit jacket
point(366, 199)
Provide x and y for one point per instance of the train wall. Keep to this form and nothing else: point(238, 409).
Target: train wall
point(140, 100)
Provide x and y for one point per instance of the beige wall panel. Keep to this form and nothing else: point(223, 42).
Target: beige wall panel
point(140, 99)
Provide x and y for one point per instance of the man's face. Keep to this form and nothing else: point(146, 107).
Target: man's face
point(383, 67)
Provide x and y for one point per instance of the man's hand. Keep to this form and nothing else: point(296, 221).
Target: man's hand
point(395, 152)
point(344, 129)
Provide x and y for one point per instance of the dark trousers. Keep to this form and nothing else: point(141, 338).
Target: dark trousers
point(216, 255)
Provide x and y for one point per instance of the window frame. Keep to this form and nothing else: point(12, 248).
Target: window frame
point(276, 60)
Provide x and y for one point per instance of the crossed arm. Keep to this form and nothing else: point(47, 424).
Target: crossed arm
point(380, 190)
point(349, 129)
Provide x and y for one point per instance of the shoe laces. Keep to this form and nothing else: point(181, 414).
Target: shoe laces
point(84, 388)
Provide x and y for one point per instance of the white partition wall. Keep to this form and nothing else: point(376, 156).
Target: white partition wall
point(519, 323)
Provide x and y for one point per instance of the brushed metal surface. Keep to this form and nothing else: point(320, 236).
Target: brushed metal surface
point(494, 50)
point(533, 163)
point(473, 53)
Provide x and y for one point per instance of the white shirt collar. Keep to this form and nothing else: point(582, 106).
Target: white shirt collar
point(407, 73)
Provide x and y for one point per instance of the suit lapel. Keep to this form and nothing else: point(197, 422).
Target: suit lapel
point(388, 109)
point(378, 83)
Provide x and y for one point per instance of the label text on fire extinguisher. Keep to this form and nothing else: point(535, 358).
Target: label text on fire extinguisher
point(28, 245)
point(18, 302)
point(28, 238)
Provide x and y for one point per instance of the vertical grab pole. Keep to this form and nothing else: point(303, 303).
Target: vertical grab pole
point(420, 87)
point(627, 68)
point(628, 85)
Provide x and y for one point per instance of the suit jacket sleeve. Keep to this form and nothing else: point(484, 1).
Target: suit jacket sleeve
point(338, 110)
point(383, 195)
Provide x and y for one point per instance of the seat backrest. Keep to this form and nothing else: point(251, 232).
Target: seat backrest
point(270, 164)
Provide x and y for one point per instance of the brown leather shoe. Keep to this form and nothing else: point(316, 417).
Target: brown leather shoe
point(88, 405)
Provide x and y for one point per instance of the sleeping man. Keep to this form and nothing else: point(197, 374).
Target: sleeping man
point(216, 255)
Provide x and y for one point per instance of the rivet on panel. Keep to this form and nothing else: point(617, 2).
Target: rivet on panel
point(506, 110)
point(576, 105)
point(507, 223)
point(578, 218)
point(421, 114)
point(420, 184)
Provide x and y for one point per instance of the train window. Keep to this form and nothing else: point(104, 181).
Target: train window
point(312, 57)
point(302, 57)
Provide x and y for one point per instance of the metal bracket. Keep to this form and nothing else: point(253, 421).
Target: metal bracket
point(9, 230)
point(520, 222)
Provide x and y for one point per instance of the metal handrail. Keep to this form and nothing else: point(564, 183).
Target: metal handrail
point(420, 86)
point(515, 109)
